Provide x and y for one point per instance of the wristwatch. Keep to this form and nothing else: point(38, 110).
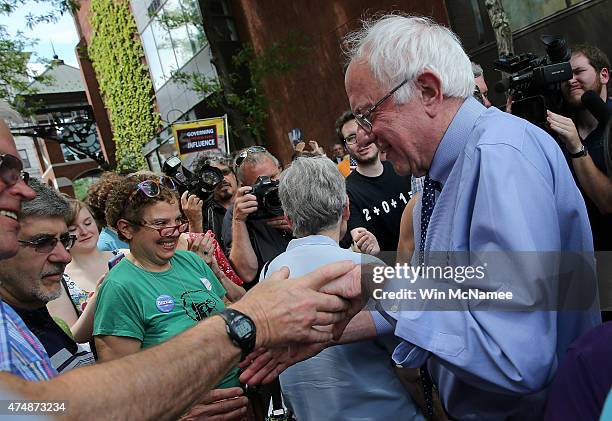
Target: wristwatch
point(240, 329)
point(582, 152)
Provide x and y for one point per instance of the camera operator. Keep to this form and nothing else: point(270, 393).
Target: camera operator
point(251, 233)
point(481, 84)
point(208, 214)
point(582, 137)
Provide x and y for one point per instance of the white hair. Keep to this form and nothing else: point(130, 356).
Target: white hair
point(313, 194)
point(401, 47)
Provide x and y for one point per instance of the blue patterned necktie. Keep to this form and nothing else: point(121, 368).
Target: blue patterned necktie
point(427, 205)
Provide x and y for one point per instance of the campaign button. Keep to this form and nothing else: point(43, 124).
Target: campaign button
point(164, 303)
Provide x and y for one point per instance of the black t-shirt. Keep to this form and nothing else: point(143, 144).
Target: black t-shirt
point(377, 203)
point(64, 353)
point(267, 242)
point(601, 225)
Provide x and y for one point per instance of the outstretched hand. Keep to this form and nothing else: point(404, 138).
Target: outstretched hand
point(264, 365)
point(287, 312)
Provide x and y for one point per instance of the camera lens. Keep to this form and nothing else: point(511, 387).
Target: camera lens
point(210, 179)
point(556, 48)
point(272, 201)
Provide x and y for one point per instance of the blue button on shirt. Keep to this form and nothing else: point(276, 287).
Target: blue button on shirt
point(345, 382)
point(505, 187)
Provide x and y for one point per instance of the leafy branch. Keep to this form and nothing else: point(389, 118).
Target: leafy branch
point(251, 103)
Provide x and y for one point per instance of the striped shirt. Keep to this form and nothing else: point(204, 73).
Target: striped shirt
point(21, 353)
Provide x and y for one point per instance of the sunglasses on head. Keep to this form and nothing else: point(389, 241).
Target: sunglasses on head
point(242, 155)
point(152, 188)
point(11, 170)
point(47, 244)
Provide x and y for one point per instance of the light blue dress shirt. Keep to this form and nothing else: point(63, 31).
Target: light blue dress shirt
point(109, 241)
point(506, 187)
point(344, 382)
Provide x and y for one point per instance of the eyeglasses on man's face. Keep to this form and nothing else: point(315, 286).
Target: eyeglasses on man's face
point(47, 243)
point(11, 170)
point(242, 155)
point(350, 139)
point(364, 120)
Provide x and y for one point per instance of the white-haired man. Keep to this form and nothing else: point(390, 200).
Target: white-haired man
point(494, 184)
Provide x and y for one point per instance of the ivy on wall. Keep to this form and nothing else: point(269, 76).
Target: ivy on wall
point(126, 87)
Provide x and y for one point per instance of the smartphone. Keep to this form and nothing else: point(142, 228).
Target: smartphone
point(115, 259)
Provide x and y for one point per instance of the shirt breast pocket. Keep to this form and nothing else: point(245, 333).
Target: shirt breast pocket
point(448, 344)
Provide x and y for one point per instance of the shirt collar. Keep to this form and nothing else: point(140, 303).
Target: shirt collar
point(454, 140)
point(312, 240)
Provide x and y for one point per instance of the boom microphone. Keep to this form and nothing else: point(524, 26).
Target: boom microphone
point(596, 106)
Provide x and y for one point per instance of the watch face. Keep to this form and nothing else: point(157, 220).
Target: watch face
point(242, 327)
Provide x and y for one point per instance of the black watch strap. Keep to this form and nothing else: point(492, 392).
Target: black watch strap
point(582, 152)
point(241, 330)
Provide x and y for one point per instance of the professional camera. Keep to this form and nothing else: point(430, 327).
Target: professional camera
point(268, 202)
point(185, 180)
point(535, 82)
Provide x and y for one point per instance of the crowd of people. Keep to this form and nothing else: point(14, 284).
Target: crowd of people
point(144, 301)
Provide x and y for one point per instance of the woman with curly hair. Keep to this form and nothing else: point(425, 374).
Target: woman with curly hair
point(97, 197)
point(157, 291)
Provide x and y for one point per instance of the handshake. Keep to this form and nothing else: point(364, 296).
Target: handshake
point(297, 319)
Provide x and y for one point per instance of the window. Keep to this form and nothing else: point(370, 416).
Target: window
point(23, 154)
point(174, 35)
point(155, 67)
point(526, 12)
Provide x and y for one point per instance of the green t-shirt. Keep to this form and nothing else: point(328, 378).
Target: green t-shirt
point(155, 306)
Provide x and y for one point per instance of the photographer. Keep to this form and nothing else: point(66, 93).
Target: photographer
point(208, 214)
point(582, 137)
point(252, 233)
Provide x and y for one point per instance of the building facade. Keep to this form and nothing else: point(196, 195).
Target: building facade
point(311, 95)
point(62, 128)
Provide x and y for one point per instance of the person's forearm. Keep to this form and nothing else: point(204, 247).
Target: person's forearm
point(196, 224)
point(360, 328)
point(242, 255)
point(234, 292)
point(595, 184)
point(132, 387)
point(82, 330)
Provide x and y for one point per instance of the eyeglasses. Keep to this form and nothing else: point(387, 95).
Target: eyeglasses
point(152, 188)
point(165, 231)
point(363, 119)
point(350, 139)
point(47, 244)
point(11, 170)
point(242, 155)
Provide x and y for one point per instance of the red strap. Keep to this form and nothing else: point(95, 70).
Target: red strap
point(223, 263)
